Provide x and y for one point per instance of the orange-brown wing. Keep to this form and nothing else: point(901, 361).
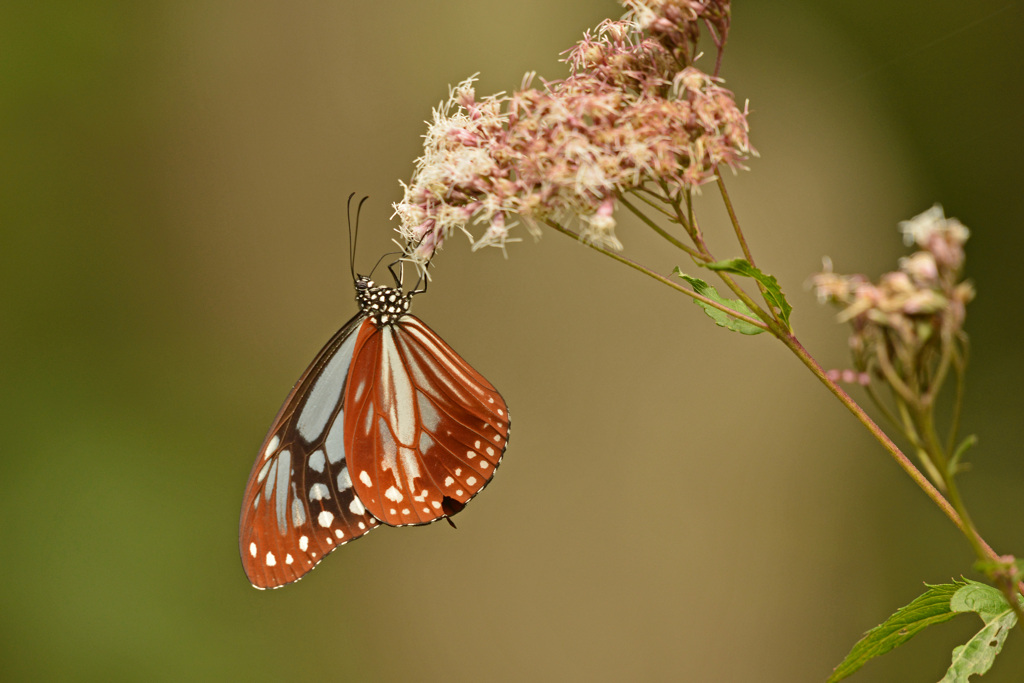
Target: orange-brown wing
point(424, 431)
point(299, 504)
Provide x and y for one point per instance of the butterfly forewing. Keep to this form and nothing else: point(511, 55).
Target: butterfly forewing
point(424, 431)
point(299, 504)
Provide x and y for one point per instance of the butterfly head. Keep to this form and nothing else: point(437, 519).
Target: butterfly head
point(383, 305)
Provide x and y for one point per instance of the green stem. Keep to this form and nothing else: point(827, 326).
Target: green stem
point(912, 430)
point(933, 446)
point(801, 353)
point(954, 511)
point(732, 217)
point(657, 276)
point(688, 221)
point(902, 460)
point(658, 229)
point(945, 361)
point(892, 377)
point(638, 193)
point(959, 366)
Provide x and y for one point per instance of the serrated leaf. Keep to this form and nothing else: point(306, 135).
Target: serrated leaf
point(773, 290)
point(721, 318)
point(976, 656)
point(932, 607)
point(978, 597)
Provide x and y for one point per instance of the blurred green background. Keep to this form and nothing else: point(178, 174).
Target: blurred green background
point(677, 503)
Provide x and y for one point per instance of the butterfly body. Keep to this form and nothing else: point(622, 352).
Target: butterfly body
point(387, 425)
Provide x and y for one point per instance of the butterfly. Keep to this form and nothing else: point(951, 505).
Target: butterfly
point(388, 425)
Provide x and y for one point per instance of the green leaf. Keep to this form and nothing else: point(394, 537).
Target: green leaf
point(977, 655)
point(932, 607)
point(773, 291)
point(720, 317)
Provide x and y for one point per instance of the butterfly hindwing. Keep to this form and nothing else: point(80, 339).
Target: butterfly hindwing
point(424, 431)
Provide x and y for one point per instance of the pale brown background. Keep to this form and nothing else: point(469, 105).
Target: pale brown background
point(677, 503)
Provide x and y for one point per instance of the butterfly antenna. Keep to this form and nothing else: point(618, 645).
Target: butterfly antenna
point(351, 239)
point(353, 235)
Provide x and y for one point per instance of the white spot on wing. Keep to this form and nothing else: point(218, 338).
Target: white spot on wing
point(387, 443)
point(268, 487)
point(271, 560)
point(393, 494)
point(263, 471)
point(426, 443)
point(252, 549)
point(410, 465)
point(356, 508)
point(325, 518)
point(335, 441)
point(298, 512)
point(316, 461)
point(448, 481)
point(364, 477)
point(344, 481)
point(303, 543)
point(319, 491)
point(272, 446)
point(472, 480)
point(284, 467)
point(288, 559)
point(428, 413)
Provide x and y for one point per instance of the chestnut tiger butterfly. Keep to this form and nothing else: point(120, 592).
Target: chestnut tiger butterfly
point(388, 425)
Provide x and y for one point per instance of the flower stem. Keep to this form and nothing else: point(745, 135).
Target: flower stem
point(658, 229)
point(732, 217)
point(657, 276)
point(955, 513)
point(902, 460)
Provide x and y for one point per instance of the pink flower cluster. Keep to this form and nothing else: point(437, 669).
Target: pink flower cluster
point(633, 111)
point(921, 303)
point(676, 23)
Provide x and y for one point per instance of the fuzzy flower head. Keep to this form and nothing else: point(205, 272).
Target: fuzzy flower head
point(943, 237)
point(912, 310)
point(676, 23)
point(632, 111)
